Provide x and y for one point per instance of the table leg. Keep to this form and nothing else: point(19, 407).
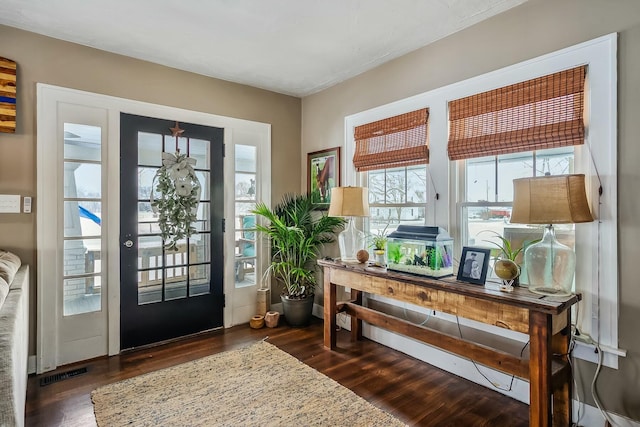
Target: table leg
point(562, 397)
point(329, 311)
point(356, 324)
point(540, 369)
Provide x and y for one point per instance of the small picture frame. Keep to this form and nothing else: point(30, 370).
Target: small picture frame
point(323, 174)
point(474, 264)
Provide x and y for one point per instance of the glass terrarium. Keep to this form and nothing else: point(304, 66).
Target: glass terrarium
point(423, 250)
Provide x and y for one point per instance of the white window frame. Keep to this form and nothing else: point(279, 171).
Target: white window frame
point(596, 243)
point(243, 304)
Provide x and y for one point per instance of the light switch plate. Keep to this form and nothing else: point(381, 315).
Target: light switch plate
point(26, 204)
point(9, 203)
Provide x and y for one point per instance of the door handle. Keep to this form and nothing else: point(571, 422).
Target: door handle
point(128, 244)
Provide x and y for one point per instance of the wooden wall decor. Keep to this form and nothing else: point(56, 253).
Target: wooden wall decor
point(7, 95)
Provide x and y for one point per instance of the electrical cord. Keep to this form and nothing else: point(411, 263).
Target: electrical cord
point(340, 316)
point(587, 339)
point(406, 316)
point(593, 387)
point(493, 383)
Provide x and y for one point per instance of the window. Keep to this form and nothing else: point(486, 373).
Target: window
point(82, 201)
point(487, 196)
point(246, 176)
point(396, 196)
point(391, 154)
point(469, 195)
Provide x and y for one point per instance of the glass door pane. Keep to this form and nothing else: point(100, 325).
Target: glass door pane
point(245, 221)
point(82, 215)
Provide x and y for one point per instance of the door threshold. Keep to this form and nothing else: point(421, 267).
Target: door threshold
point(171, 340)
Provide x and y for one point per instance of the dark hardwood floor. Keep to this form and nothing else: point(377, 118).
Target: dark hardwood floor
point(413, 391)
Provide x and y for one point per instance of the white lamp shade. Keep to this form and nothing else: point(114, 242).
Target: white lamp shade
point(349, 201)
point(554, 199)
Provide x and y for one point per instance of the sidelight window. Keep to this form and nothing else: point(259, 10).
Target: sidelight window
point(82, 207)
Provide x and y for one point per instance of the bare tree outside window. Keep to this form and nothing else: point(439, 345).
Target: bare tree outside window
point(397, 196)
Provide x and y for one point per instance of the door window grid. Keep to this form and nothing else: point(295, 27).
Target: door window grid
point(167, 275)
point(245, 199)
point(82, 213)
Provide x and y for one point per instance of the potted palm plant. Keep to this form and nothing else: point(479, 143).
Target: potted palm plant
point(296, 234)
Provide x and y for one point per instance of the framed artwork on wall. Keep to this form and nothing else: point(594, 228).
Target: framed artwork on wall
point(474, 263)
point(323, 174)
point(7, 95)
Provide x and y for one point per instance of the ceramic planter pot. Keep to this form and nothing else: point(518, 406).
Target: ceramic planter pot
point(507, 270)
point(298, 312)
point(257, 321)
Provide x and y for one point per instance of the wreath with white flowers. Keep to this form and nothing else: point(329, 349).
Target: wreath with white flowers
point(176, 198)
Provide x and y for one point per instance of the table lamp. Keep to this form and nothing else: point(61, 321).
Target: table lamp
point(550, 199)
point(350, 202)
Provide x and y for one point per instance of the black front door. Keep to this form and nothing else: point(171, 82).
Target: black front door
point(166, 293)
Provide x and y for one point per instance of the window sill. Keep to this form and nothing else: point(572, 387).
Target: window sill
point(588, 352)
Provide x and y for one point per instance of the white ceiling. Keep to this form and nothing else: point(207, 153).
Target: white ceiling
point(295, 47)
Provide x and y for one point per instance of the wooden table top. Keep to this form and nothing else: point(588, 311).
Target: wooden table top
point(519, 297)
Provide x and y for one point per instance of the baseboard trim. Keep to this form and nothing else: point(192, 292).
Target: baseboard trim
point(31, 364)
point(278, 307)
point(591, 416)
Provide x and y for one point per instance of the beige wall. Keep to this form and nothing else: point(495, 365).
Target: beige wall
point(535, 28)
point(45, 60)
point(532, 29)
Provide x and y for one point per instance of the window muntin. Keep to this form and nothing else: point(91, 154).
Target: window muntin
point(485, 212)
point(396, 196)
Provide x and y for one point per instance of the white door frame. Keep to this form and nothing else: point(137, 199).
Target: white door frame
point(48, 194)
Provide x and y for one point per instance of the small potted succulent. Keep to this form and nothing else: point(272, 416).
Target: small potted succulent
point(505, 265)
point(379, 243)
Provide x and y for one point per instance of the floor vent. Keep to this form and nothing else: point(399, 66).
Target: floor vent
point(61, 376)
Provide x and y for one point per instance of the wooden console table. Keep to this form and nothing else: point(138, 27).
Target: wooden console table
point(546, 321)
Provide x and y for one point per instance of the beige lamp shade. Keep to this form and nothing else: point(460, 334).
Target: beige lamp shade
point(554, 199)
point(349, 201)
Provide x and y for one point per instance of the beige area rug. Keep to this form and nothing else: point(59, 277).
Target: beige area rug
point(259, 385)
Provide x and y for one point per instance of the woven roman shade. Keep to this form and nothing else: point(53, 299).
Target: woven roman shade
point(392, 142)
point(545, 112)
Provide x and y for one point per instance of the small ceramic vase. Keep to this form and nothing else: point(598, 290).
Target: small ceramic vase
point(271, 319)
point(257, 321)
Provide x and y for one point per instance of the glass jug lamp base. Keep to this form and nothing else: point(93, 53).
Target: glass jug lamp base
point(550, 266)
point(549, 291)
